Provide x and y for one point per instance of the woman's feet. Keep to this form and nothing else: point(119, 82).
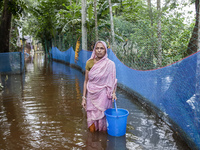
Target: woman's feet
point(92, 128)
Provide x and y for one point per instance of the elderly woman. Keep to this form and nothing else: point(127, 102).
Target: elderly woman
point(99, 87)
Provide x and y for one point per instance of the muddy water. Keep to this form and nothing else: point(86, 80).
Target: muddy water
point(41, 109)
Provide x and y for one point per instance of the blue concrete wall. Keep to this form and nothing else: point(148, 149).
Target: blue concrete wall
point(11, 63)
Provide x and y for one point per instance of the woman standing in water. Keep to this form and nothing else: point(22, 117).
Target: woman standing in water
point(99, 87)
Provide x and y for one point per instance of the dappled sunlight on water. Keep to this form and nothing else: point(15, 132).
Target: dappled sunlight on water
point(41, 109)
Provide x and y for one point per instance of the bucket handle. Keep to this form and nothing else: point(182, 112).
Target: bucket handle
point(116, 107)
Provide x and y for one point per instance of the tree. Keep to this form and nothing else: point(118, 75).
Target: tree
point(5, 26)
point(43, 23)
point(151, 36)
point(11, 8)
point(96, 24)
point(112, 25)
point(192, 46)
point(84, 29)
point(159, 34)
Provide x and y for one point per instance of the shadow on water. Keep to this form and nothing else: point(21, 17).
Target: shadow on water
point(41, 109)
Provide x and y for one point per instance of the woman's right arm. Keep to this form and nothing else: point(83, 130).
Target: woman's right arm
point(85, 89)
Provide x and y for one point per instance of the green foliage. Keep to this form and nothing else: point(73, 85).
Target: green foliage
point(132, 9)
point(41, 22)
point(138, 47)
point(1, 5)
point(16, 7)
point(69, 23)
point(14, 36)
point(135, 25)
point(69, 17)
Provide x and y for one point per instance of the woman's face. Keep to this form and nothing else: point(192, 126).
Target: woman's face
point(100, 50)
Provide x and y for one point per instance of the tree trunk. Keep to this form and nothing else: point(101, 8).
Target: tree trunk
point(192, 46)
point(159, 34)
point(84, 28)
point(112, 26)
point(152, 43)
point(150, 11)
point(5, 27)
point(95, 15)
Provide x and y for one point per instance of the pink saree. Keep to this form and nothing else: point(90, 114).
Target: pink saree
point(101, 83)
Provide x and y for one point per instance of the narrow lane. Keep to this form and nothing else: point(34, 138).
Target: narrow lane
point(41, 109)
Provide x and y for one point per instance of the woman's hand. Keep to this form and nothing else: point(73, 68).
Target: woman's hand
point(84, 102)
point(114, 97)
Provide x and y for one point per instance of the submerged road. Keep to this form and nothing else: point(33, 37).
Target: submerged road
point(41, 109)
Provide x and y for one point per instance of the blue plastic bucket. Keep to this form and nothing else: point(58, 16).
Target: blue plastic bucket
point(116, 124)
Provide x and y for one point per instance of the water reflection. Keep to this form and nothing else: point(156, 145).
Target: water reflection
point(96, 140)
point(42, 110)
point(117, 143)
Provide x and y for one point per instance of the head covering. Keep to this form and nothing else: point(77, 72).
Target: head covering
point(93, 53)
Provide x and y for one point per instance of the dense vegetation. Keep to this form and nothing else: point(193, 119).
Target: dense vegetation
point(148, 34)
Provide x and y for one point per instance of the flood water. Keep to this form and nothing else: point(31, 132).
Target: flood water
point(41, 109)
